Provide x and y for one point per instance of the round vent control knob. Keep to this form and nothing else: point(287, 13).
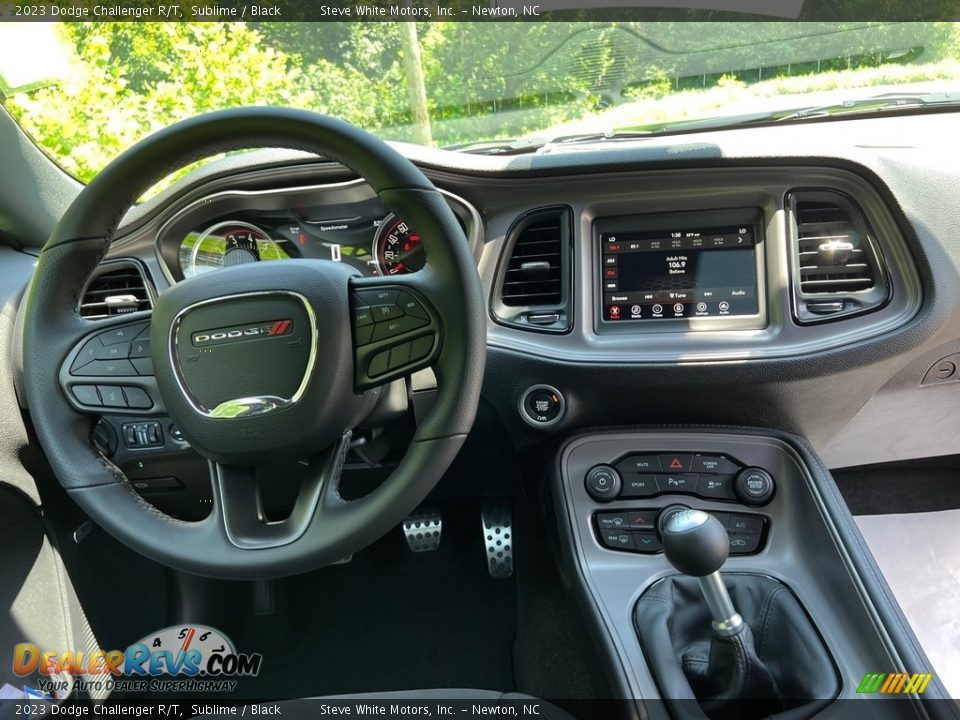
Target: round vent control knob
point(754, 486)
point(603, 483)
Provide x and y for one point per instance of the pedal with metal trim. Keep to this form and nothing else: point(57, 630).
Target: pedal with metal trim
point(422, 529)
point(497, 517)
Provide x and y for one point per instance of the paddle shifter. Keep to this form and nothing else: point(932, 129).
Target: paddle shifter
point(697, 544)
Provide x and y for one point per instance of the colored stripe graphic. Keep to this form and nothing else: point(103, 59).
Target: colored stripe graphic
point(894, 683)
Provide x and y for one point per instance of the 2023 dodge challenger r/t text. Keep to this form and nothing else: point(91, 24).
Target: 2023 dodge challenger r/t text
point(591, 369)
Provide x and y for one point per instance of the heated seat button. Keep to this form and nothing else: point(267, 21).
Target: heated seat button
point(674, 463)
point(86, 395)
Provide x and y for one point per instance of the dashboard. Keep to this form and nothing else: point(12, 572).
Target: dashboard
point(780, 277)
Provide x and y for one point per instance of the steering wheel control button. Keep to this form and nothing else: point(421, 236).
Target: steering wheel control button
point(385, 312)
point(143, 366)
point(754, 486)
point(420, 348)
point(122, 334)
point(399, 356)
point(603, 483)
point(380, 296)
point(107, 368)
point(117, 351)
point(542, 406)
point(393, 328)
point(140, 348)
point(411, 306)
point(379, 364)
point(362, 316)
point(640, 486)
point(112, 396)
point(87, 354)
point(363, 334)
point(137, 398)
point(86, 395)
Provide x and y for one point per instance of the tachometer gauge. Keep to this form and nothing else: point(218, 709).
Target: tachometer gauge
point(227, 244)
point(397, 248)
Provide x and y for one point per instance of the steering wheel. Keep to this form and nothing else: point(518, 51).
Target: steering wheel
point(256, 362)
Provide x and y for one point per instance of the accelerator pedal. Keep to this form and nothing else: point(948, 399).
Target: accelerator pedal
point(497, 517)
point(422, 529)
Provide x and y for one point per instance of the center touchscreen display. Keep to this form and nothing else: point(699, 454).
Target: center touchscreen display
point(679, 273)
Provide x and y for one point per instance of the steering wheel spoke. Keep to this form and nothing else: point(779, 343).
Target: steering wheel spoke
point(110, 370)
point(237, 498)
point(396, 329)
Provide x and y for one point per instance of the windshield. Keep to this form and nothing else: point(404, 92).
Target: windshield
point(86, 91)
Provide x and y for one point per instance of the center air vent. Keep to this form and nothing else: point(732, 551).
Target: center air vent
point(534, 280)
point(837, 265)
point(117, 288)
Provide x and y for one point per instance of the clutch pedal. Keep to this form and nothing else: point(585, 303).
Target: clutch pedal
point(422, 529)
point(497, 517)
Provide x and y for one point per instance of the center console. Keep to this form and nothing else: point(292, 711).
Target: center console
point(618, 492)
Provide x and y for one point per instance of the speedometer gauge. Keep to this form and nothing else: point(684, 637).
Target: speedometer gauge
point(226, 244)
point(397, 248)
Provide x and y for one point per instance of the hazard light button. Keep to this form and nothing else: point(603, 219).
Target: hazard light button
point(673, 463)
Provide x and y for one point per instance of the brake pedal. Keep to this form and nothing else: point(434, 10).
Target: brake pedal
point(497, 517)
point(422, 529)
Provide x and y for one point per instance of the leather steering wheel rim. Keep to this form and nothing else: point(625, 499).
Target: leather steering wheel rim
point(52, 326)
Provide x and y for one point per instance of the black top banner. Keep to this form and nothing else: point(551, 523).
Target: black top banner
point(478, 10)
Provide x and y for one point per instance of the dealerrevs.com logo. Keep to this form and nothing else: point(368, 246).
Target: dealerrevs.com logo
point(176, 659)
point(239, 333)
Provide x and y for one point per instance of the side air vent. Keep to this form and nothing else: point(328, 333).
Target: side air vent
point(838, 268)
point(116, 288)
point(533, 288)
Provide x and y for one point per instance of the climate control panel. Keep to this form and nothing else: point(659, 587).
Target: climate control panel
point(638, 530)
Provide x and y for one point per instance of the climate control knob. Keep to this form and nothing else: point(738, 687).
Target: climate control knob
point(603, 483)
point(754, 486)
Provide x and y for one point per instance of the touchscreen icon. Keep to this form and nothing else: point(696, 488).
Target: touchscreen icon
point(724, 306)
point(701, 307)
point(635, 311)
point(614, 312)
point(657, 309)
point(678, 308)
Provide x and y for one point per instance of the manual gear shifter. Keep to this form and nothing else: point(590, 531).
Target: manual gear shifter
point(766, 661)
point(697, 544)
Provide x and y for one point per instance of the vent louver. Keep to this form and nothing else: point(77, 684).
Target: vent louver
point(833, 255)
point(533, 290)
point(838, 269)
point(535, 270)
point(115, 289)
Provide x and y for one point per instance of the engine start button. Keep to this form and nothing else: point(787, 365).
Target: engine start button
point(542, 405)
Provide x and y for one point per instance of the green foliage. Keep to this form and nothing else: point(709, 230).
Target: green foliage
point(483, 80)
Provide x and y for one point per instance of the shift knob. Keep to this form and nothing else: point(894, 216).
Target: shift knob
point(695, 542)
